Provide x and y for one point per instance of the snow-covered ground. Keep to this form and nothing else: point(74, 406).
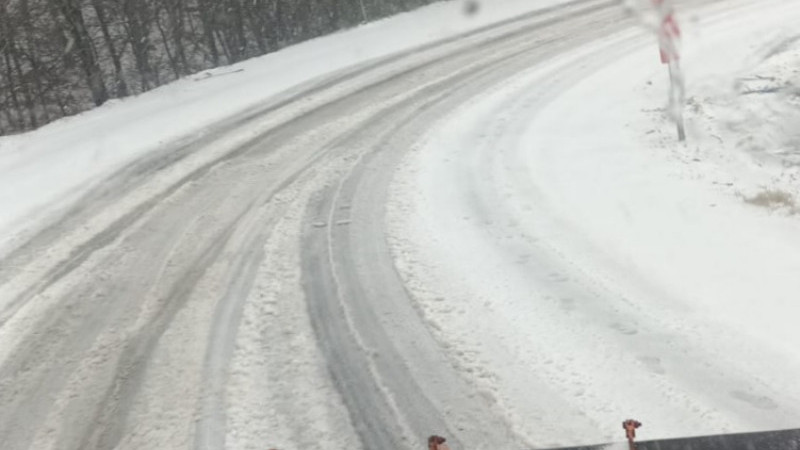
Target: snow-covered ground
point(42, 172)
point(746, 117)
point(584, 265)
point(167, 311)
point(572, 264)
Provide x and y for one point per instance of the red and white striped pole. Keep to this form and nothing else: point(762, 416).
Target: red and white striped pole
point(630, 427)
point(669, 34)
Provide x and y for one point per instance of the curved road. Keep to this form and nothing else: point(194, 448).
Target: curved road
point(152, 314)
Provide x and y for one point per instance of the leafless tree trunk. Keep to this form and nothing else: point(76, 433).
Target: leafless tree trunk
point(84, 46)
point(16, 119)
point(59, 57)
point(102, 18)
point(207, 12)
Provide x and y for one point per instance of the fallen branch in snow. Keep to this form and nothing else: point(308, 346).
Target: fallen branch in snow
point(207, 75)
point(768, 90)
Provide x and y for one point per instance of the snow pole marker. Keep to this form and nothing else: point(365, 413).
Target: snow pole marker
point(669, 33)
point(437, 443)
point(630, 427)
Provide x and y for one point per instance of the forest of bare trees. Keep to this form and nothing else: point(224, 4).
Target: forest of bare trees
point(60, 57)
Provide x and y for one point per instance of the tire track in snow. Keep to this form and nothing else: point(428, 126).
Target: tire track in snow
point(566, 318)
point(125, 364)
point(356, 316)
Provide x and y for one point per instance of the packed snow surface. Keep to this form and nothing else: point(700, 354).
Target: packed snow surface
point(481, 226)
point(582, 264)
point(41, 171)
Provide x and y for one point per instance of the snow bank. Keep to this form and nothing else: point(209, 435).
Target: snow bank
point(749, 122)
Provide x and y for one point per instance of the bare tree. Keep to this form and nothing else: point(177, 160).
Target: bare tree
point(100, 8)
point(83, 45)
point(60, 57)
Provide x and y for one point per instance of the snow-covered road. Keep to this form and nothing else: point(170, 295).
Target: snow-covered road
point(426, 243)
point(578, 270)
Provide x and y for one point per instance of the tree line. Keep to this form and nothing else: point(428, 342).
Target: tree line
point(61, 57)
